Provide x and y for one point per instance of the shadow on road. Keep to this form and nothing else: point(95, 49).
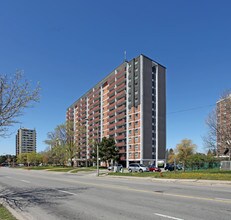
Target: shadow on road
point(21, 198)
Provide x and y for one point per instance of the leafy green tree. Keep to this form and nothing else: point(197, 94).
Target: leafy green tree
point(184, 150)
point(31, 158)
point(107, 150)
point(58, 155)
point(22, 158)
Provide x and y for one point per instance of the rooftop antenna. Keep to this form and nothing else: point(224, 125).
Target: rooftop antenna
point(125, 57)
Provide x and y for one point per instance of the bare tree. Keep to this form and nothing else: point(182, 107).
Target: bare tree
point(218, 138)
point(15, 95)
point(63, 137)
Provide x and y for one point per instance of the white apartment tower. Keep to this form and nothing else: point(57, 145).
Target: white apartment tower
point(25, 141)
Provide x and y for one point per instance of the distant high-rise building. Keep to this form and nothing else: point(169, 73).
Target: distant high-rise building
point(128, 105)
point(25, 141)
point(224, 126)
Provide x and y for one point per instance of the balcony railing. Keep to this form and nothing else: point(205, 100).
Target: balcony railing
point(122, 122)
point(121, 144)
point(111, 119)
point(121, 101)
point(121, 80)
point(121, 137)
point(121, 94)
point(120, 87)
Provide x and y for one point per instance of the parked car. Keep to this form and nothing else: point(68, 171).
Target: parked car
point(136, 167)
point(111, 167)
point(152, 168)
point(170, 167)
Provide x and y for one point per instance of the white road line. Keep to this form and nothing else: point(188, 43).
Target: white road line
point(167, 216)
point(223, 199)
point(67, 192)
point(25, 181)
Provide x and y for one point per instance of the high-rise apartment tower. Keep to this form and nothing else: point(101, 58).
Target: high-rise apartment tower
point(25, 141)
point(128, 105)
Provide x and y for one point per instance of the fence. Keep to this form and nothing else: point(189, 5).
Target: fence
point(203, 166)
point(225, 165)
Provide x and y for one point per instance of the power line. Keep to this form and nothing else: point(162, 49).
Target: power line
point(191, 109)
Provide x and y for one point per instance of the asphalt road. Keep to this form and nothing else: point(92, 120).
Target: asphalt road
point(36, 195)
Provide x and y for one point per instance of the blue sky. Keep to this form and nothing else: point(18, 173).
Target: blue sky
point(70, 45)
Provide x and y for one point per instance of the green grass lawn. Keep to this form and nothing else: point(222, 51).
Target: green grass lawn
point(5, 214)
point(205, 175)
point(61, 169)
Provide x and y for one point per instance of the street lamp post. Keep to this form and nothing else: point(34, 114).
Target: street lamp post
point(97, 157)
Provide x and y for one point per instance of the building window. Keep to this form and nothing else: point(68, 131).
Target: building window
point(136, 131)
point(136, 147)
point(136, 139)
point(129, 140)
point(130, 132)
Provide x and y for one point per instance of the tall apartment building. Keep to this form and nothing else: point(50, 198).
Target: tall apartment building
point(224, 126)
point(128, 105)
point(25, 141)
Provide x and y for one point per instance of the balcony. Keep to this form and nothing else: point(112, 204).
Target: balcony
point(121, 108)
point(111, 100)
point(121, 80)
point(122, 158)
point(96, 108)
point(120, 87)
point(120, 116)
point(120, 73)
point(111, 86)
point(121, 101)
point(112, 119)
point(120, 123)
point(96, 103)
point(121, 137)
point(112, 112)
point(110, 126)
point(121, 144)
point(122, 150)
point(112, 93)
point(120, 130)
point(111, 132)
point(111, 80)
point(121, 94)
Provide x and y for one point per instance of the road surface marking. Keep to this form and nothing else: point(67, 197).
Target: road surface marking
point(9, 177)
point(167, 216)
point(67, 192)
point(223, 199)
point(25, 181)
